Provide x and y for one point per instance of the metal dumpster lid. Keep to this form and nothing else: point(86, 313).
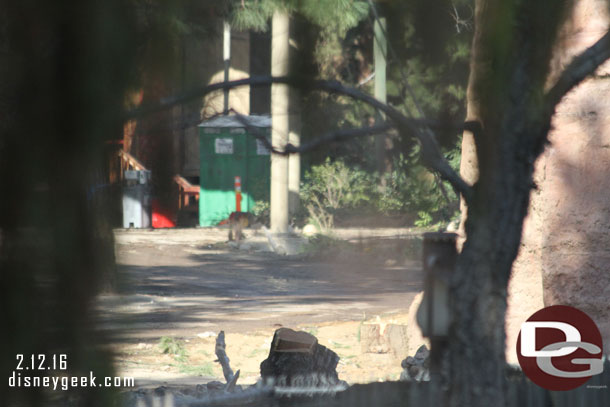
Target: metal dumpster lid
point(233, 121)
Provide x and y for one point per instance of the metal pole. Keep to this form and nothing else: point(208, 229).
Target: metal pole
point(226, 58)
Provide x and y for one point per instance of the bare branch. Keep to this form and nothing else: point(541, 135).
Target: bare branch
point(329, 137)
point(581, 66)
point(431, 153)
point(230, 387)
point(223, 359)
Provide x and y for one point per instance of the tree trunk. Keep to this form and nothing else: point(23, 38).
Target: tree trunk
point(479, 292)
point(508, 75)
point(65, 72)
point(297, 359)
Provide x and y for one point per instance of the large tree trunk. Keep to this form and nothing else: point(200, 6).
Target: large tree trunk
point(508, 74)
point(64, 73)
point(479, 289)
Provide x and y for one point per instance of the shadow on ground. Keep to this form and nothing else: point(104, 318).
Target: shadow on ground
point(183, 289)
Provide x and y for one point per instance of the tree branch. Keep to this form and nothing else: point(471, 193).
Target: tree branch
point(431, 153)
point(581, 66)
point(329, 137)
point(223, 359)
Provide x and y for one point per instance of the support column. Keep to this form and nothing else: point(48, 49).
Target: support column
point(279, 123)
point(379, 54)
point(294, 160)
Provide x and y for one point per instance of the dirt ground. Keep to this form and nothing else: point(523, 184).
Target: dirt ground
point(183, 286)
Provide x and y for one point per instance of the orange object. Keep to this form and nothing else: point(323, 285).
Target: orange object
point(237, 194)
point(161, 218)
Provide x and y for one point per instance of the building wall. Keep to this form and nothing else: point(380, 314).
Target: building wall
point(204, 65)
point(565, 253)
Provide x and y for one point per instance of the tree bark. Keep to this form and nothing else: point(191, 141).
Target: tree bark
point(506, 96)
point(297, 359)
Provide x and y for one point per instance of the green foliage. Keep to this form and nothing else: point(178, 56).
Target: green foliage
point(431, 40)
point(411, 188)
point(337, 15)
point(333, 186)
point(429, 63)
point(253, 15)
point(206, 369)
point(329, 22)
point(260, 210)
point(177, 349)
point(424, 219)
point(173, 347)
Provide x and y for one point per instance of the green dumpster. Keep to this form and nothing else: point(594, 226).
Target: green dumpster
point(228, 150)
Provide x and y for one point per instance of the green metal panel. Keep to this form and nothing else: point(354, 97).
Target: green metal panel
point(258, 174)
point(227, 152)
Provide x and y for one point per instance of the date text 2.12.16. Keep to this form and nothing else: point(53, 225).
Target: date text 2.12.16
point(42, 362)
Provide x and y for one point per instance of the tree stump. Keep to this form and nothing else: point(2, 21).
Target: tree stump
point(297, 359)
point(378, 337)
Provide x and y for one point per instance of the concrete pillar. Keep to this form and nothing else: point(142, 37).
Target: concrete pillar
point(294, 136)
point(294, 160)
point(380, 51)
point(279, 122)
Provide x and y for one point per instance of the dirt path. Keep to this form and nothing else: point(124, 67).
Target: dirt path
point(188, 284)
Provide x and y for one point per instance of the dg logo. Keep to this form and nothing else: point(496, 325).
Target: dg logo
point(560, 348)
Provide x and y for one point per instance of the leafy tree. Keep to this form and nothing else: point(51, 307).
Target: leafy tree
point(339, 15)
point(431, 66)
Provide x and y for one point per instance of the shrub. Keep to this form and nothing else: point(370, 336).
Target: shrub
point(331, 186)
point(260, 210)
point(173, 347)
point(411, 188)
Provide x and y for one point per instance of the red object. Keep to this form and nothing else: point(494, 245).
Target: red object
point(237, 194)
point(161, 217)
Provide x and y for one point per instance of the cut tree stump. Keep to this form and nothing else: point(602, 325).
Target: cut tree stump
point(297, 359)
point(379, 337)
